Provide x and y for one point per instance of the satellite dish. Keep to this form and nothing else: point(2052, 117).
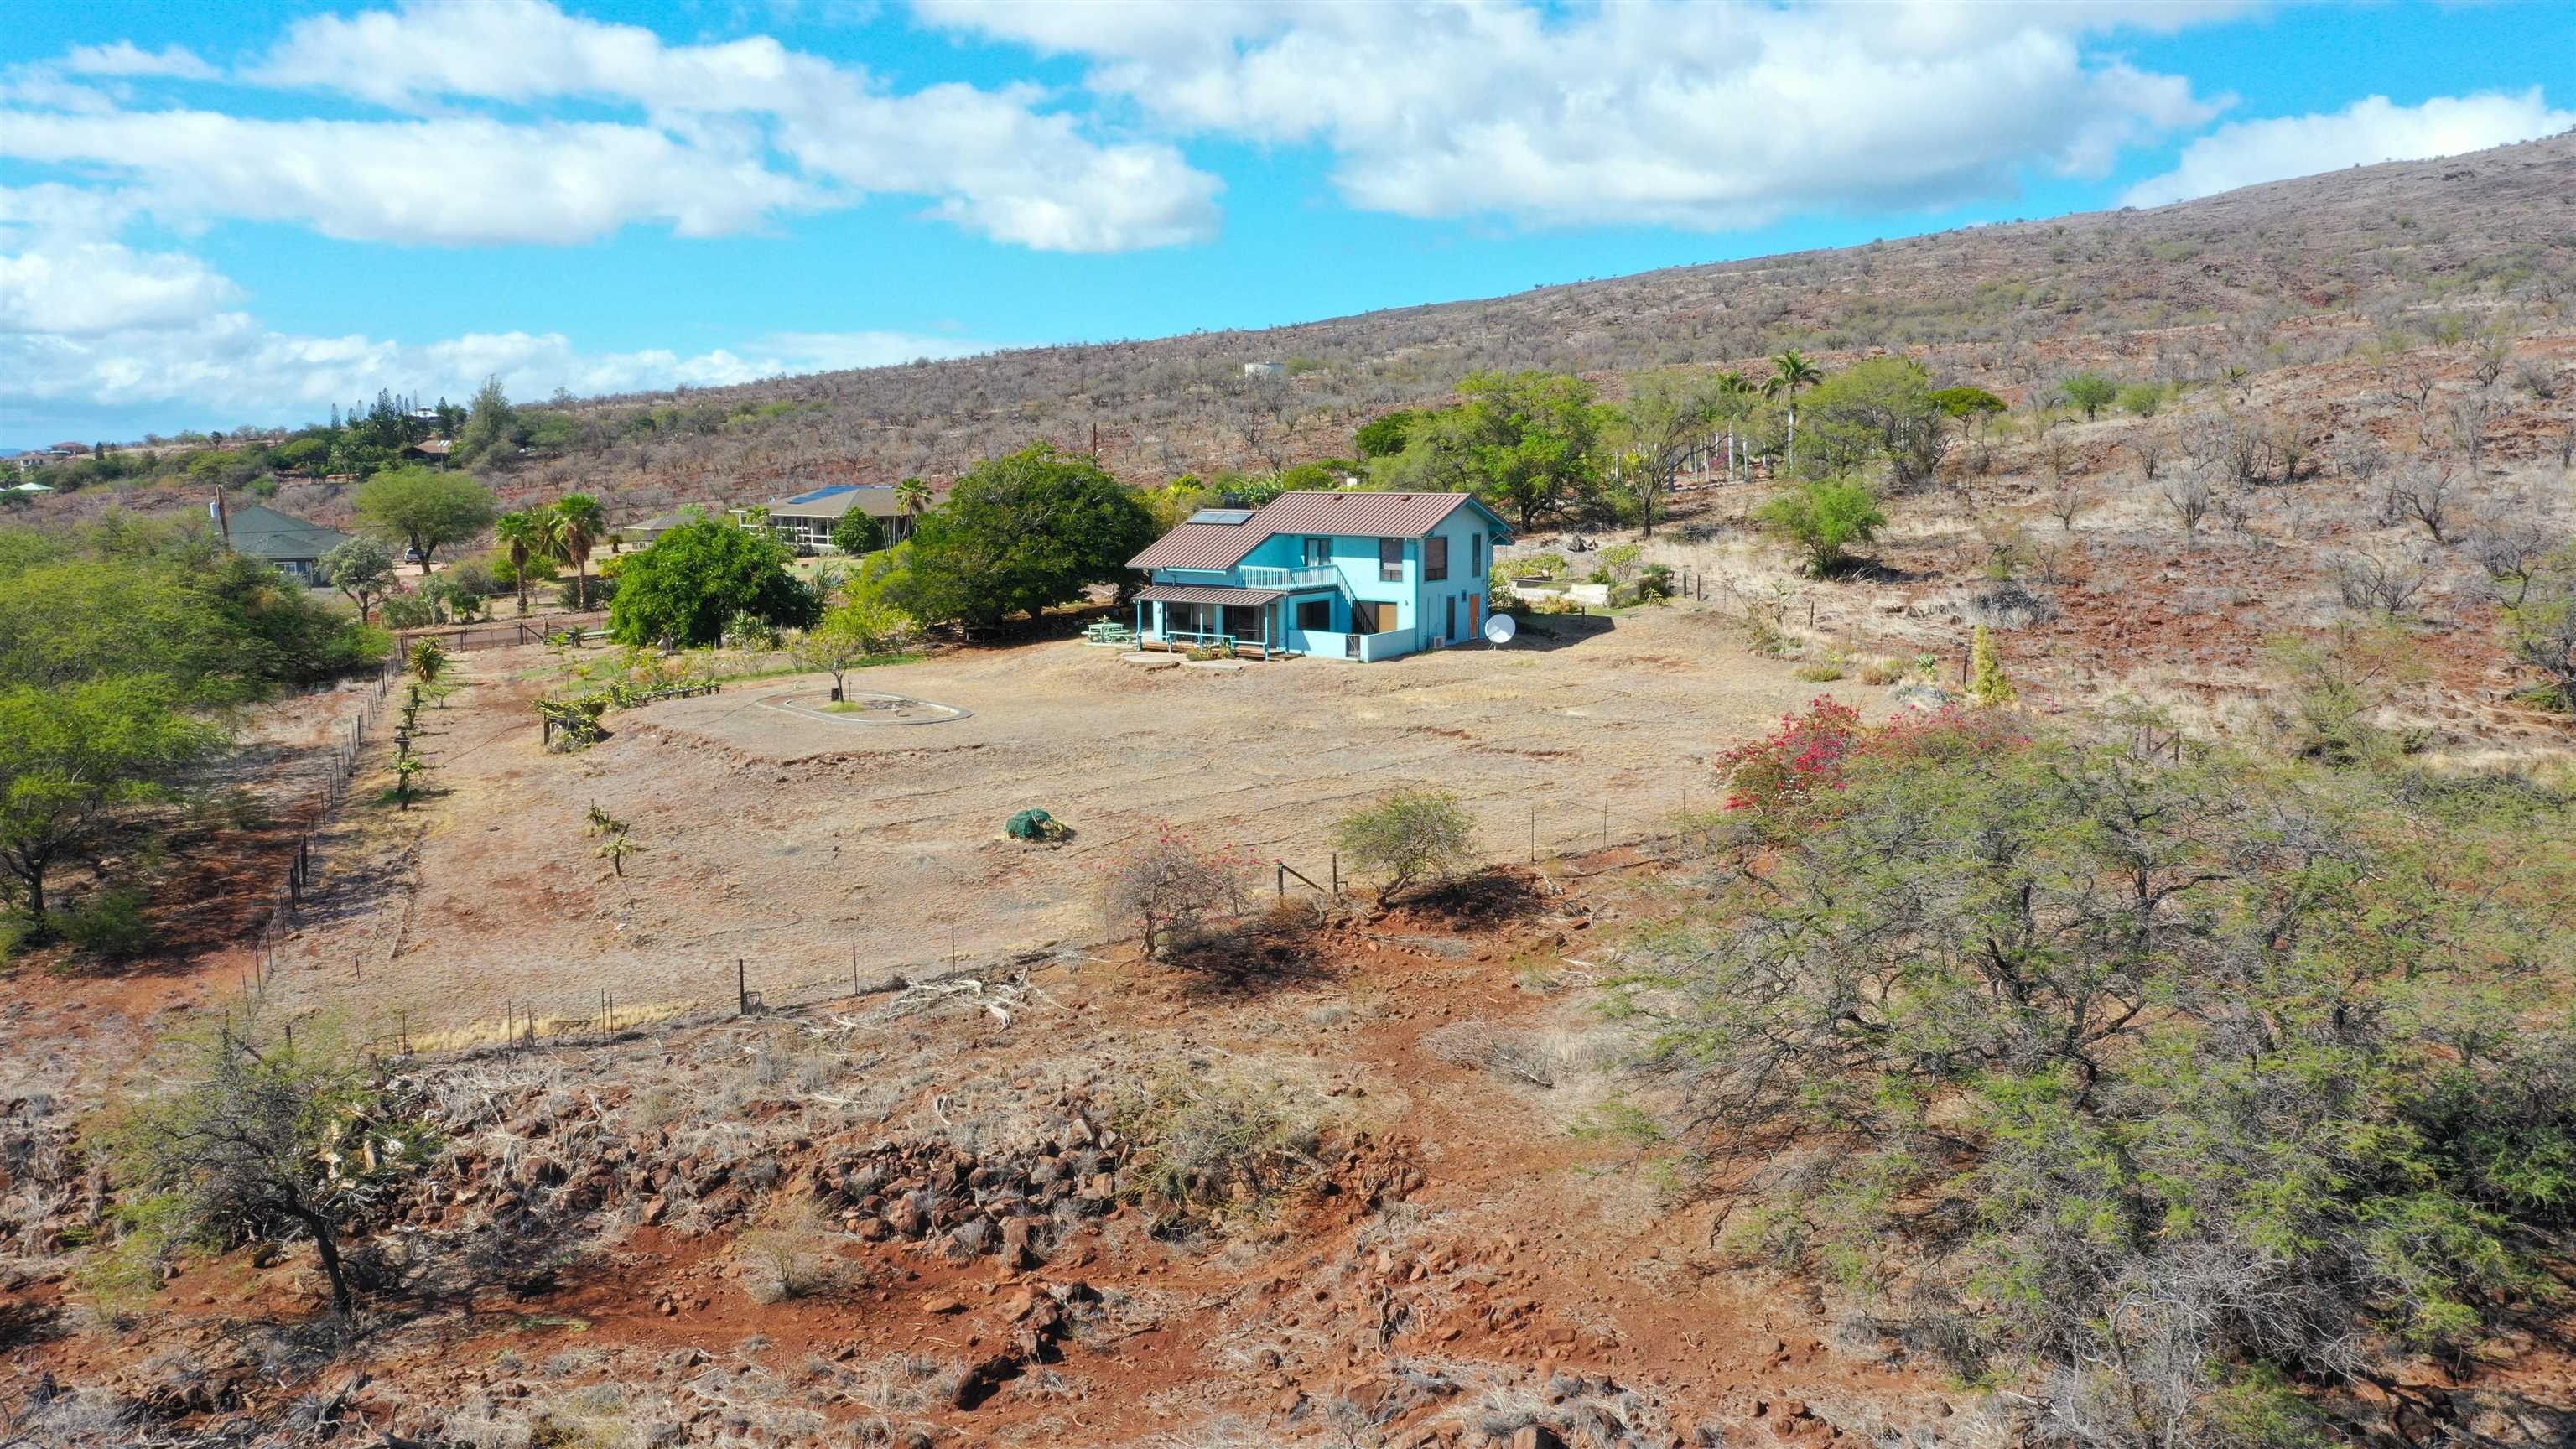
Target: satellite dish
point(1500, 629)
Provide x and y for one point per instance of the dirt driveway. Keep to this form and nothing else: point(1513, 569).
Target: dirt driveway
point(812, 844)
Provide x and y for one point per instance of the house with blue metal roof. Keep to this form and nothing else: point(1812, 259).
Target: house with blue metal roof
point(1337, 575)
point(804, 521)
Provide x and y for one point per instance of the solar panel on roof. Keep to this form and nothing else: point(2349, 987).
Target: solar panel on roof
point(820, 493)
point(1228, 516)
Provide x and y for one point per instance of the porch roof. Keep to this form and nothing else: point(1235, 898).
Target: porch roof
point(1199, 594)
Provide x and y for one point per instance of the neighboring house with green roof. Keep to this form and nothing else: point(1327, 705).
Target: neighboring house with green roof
point(292, 544)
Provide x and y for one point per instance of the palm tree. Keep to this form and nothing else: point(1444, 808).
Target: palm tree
point(913, 497)
point(523, 532)
point(1790, 372)
point(573, 526)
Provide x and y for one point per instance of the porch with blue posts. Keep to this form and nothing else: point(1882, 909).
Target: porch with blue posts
point(1155, 630)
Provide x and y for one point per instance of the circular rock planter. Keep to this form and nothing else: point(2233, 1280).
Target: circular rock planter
point(869, 709)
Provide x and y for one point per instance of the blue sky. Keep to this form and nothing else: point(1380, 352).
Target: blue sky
point(221, 213)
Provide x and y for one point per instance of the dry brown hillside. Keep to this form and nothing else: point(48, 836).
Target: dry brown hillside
point(2286, 275)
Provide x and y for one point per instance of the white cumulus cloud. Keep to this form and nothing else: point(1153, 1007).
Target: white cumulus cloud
point(225, 364)
point(993, 160)
point(1710, 115)
point(2370, 130)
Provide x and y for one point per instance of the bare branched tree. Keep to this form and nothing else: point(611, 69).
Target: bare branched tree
point(2384, 583)
point(2149, 445)
point(2513, 544)
point(2426, 493)
point(2188, 495)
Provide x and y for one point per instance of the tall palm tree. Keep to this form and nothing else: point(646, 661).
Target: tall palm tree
point(1790, 372)
point(913, 497)
point(523, 532)
point(573, 527)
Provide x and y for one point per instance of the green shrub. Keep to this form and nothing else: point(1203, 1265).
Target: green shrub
point(2102, 1062)
point(1822, 518)
point(107, 923)
point(2090, 391)
point(1822, 672)
point(2143, 399)
point(1410, 835)
point(1214, 1149)
point(603, 592)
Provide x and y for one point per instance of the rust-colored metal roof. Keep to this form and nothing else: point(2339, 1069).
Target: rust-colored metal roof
point(1205, 594)
point(1357, 514)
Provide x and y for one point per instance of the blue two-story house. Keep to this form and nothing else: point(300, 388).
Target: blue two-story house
point(1335, 575)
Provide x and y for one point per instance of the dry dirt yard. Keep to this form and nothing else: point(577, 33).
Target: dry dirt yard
point(812, 845)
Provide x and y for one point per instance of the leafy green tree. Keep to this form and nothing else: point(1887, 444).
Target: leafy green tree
point(301, 455)
point(491, 427)
point(1823, 517)
point(2144, 399)
point(424, 508)
point(1319, 475)
point(1881, 407)
point(683, 588)
point(1411, 835)
point(2090, 391)
point(1019, 534)
point(858, 532)
point(2541, 629)
point(1791, 373)
point(1964, 402)
point(363, 569)
point(73, 758)
point(856, 630)
point(130, 596)
point(263, 1138)
point(1526, 443)
point(1667, 417)
point(1385, 435)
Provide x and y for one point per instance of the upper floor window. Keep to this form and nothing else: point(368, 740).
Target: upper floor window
point(1390, 560)
point(1435, 559)
point(1319, 552)
point(1476, 553)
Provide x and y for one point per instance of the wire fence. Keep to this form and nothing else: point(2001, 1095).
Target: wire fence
point(709, 991)
point(297, 880)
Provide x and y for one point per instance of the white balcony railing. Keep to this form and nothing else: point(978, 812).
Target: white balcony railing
point(1296, 578)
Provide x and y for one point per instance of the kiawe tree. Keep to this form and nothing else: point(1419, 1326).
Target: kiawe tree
point(1823, 518)
point(424, 509)
point(263, 1137)
point(1527, 443)
point(1665, 421)
point(74, 757)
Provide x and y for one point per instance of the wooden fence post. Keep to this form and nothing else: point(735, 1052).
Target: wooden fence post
point(741, 990)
